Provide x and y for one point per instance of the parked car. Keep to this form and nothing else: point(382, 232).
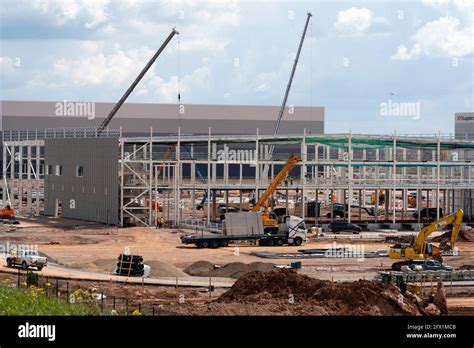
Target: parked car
point(428, 214)
point(339, 226)
point(26, 259)
point(429, 265)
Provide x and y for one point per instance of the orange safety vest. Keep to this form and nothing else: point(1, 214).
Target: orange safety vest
point(7, 214)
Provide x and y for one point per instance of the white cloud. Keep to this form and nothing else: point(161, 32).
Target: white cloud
point(167, 90)
point(117, 69)
point(354, 20)
point(7, 65)
point(442, 37)
point(465, 5)
point(90, 12)
point(436, 3)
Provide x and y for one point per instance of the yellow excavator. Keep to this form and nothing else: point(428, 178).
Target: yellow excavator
point(270, 224)
point(420, 249)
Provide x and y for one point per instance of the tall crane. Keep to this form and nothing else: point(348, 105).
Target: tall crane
point(130, 89)
point(288, 87)
point(420, 249)
point(262, 202)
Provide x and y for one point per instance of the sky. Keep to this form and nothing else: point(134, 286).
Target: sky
point(358, 59)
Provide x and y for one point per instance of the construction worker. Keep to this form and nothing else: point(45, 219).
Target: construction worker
point(160, 222)
point(8, 213)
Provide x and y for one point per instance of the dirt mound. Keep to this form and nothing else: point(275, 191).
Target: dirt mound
point(286, 290)
point(163, 269)
point(466, 267)
point(231, 270)
point(464, 236)
point(199, 268)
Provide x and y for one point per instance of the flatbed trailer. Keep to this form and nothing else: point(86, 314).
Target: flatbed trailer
point(216, 241)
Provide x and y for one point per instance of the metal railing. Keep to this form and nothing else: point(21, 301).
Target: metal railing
point(50, 133)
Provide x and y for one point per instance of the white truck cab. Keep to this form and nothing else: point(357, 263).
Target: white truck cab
point(296, 229)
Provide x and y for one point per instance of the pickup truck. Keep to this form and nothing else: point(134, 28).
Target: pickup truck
point(429, 265)
point(27, 258)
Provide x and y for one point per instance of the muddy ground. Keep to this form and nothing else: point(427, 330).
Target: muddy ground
point(95, 248)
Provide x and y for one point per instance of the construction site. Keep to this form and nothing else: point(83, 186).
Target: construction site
point(262, 223)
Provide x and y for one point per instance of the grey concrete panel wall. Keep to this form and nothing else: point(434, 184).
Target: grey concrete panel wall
point(165, 118)
point(132, 126)
point(95, 195)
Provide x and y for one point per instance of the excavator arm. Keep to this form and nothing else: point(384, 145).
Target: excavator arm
point(289, 165)
point(455, 219)
point(456, 228)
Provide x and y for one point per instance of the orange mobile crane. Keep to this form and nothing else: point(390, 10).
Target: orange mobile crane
point(268, 223)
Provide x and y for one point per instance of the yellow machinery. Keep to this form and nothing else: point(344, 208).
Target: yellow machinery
point(381, 198)
point(420, 249)
point(268, 223)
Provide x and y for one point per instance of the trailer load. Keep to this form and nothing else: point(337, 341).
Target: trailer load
point(249, 227)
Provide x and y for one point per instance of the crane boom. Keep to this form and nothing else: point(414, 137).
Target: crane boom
point(290, 163)
point(288, 87)
point(135, 83)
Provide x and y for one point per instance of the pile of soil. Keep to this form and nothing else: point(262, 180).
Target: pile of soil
point(464, 236)
point(199, 268)
point(163, 269)
point(231, 270)
point(285, 292)
point(466, 267)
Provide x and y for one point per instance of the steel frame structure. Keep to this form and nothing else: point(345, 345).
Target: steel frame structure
point(344, 163)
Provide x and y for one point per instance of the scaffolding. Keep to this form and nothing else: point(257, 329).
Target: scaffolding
point(347, 163)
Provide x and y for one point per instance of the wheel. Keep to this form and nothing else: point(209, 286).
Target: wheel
point(298, 241)
point(24, 265)
point(224, 243)
point(270, 242)
point(9, 262)
point(40, 268)
point(279, 242)
point(205, 244)
point(214, 244)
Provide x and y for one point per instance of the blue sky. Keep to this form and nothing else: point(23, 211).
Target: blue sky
point(357, 55)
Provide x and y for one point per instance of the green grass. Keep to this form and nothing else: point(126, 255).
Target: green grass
point(26, 301)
